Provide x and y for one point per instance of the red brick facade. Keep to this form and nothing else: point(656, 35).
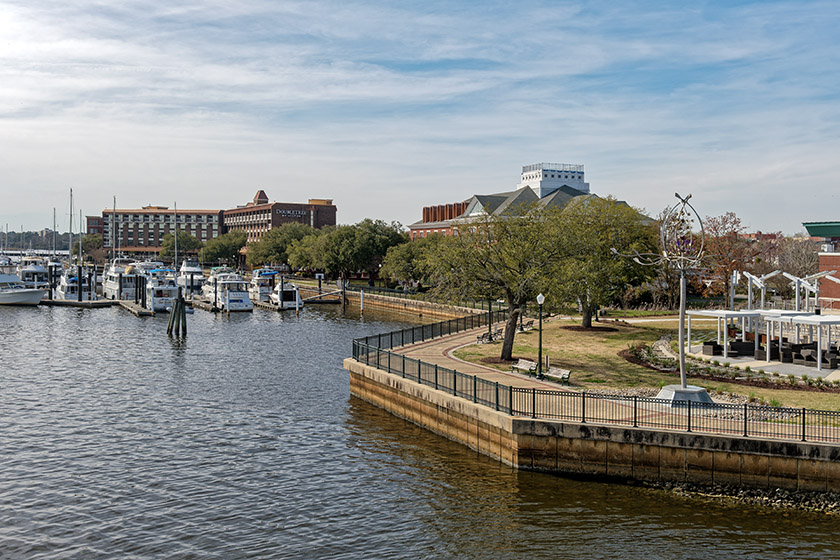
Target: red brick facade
point(830, 291)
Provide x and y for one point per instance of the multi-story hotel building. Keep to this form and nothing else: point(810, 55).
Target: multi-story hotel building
point(259, 216)
point(142, 230)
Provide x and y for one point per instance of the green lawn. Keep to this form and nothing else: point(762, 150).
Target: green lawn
point(593, 358)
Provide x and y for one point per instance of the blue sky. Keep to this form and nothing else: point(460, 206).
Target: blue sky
point(389, 106)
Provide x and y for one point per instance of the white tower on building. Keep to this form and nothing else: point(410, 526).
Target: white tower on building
point(545, 178)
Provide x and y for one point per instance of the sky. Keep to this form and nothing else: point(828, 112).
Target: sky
point(386, 107)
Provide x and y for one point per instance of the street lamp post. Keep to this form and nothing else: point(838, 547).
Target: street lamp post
point(540, 301)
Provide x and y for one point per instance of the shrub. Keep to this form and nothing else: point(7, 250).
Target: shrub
point(775, 402)
point(747, 369)
point(715, 363)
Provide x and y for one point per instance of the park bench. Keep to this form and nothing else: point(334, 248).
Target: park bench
point(527, 366)
point(562, 375)
point(527, 326)
point(484, 338)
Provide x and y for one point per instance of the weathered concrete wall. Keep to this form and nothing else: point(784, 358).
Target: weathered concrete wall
point(601, 451)
point(420, 308)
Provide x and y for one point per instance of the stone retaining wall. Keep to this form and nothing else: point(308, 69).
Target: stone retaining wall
point(601, 451)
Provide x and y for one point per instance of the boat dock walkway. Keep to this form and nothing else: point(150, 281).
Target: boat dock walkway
point(135, 308)
point(93, 304)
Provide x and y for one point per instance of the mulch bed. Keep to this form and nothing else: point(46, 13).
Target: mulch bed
point(720, 378)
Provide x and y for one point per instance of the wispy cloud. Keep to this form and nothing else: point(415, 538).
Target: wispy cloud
point(387, 107)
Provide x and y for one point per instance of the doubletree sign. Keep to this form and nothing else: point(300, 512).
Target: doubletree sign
point(289, 212)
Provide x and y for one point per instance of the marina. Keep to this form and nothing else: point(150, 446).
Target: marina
point(241, 440)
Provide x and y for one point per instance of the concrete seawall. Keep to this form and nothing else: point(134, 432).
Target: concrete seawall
point(601, 451)
point(413, 306)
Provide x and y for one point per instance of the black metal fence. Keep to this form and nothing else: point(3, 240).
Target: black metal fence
point(745, 420)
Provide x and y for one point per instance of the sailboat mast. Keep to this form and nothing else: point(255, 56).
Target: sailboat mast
point(80, 241)
point(175, 265)
point(53, 247)
point(70, 245)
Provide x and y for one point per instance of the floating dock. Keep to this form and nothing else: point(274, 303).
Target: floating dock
point(136, 308)
point(92, 304)
point(205, 305)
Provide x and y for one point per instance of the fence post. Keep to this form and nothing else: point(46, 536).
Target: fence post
point(583, 407)
point(635, 412)
point(689, 416)
point(475, 388)
point(533, 402)
point(803, 423)
point(746, 411)
point(497, 395)
point(389, 361)
point(454, 382)
point(403, 366)
point(379, 340)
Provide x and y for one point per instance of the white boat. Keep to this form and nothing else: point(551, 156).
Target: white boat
point(190, 276)
point(120, 280)
point(68, 286)
point(227, 290)
point(56, 268)
point(15, 292)
point(146, 267)
point(32, 272)
point(286, 295)
point(161, 289)
point(262, 284)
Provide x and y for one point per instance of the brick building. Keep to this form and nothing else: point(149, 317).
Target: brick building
point(545, 184)
point(140, 231)
point(258, 216)
point(827, 235)
point(94, 225)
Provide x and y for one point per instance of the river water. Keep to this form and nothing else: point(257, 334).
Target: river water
point(243, 442)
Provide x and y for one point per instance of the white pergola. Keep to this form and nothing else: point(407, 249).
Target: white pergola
point(818, 321)
point(774, 319)
point(725, 315)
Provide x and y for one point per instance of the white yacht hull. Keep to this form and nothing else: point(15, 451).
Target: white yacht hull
point(26, 296)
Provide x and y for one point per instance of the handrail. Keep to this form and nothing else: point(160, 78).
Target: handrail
point(640, 412)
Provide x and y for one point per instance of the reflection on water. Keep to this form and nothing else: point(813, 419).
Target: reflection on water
point(242, 441)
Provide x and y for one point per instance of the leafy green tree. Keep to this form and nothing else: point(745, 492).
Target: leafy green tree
point(226, 247)
point(510, 257)
point(338, 253)
point(275, 244)
point(373, 238)
point(305, 252)
point(587, 272)
point(93, 247)
point(186, 244)
point(409, 262)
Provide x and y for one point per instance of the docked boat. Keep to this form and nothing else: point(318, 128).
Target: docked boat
point(15, 292)
point(286, 295)
point(120, 280)
point(190, 276)
point(227, 290)
point(55, 268)
point(32, 272)
point(161, 289)
point(262, 284)
point(69, 286)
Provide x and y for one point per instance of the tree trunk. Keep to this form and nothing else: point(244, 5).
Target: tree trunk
point(510, 332)
point(587, 315)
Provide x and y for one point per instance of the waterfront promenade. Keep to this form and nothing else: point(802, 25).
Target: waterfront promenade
point(440, 351)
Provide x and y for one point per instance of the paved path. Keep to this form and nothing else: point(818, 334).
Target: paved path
point(440, 351)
